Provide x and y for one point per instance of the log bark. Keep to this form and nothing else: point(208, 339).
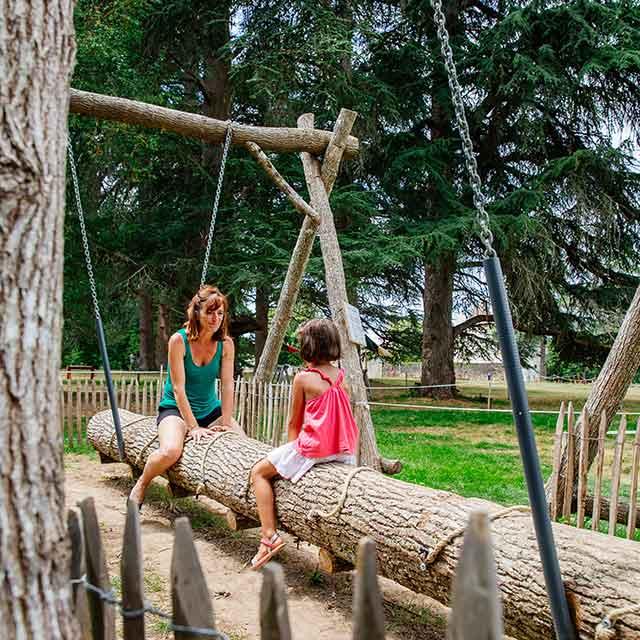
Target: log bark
point(609, 389)
point(145, 312)
point(281, 139)
point(300, 256)
point(37, 52)
point(298, 203)
point(437, 330)
point(407, 522)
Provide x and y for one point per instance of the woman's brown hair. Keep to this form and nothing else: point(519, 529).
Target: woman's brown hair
point(207, 294)
point(319, 341)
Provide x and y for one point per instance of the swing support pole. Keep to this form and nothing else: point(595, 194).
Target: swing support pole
point(535, 486)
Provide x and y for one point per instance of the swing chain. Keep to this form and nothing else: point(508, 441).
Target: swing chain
point(482, 217)
point(216, 201)
point(83, 231)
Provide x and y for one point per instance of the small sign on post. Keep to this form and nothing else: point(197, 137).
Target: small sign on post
point(354, 325)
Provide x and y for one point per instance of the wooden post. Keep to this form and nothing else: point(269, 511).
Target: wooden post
point(102, 614)
point(633, 490)
point(131, 572)
point(568, 481)
point(331, 564)
point(274, 614)
point(281, 139)
point(189, 593)
point(583, 467)
point(301, 253)
point(238, 522)
point(597, 489)
point(337, 293)
point(78, 552)
point(557, 451)
point(368, 614)
point(615, 475)
point(476, 611)
point(78, 427)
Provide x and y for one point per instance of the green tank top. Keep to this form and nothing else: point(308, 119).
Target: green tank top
point(200, 382)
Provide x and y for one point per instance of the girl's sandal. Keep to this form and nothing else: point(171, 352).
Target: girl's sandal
point(274, 544)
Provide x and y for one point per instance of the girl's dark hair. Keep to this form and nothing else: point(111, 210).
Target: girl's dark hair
point(319, 341)
point(206, 294)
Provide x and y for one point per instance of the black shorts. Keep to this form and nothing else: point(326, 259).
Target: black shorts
point(163, 412)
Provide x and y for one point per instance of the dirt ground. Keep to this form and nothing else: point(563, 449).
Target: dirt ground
point(319, 605)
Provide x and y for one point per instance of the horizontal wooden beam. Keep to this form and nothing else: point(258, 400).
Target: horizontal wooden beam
point(192, 125)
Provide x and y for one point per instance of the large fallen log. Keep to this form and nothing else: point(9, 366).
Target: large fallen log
point(334, 505)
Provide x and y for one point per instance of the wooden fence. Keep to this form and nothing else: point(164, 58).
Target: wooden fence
point(261, 408)
point(609, 490)
point(476, 610)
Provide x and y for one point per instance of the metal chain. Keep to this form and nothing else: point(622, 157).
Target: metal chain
point(110, 598)
point(482, 217)
point(216, 201)
point(83, 231)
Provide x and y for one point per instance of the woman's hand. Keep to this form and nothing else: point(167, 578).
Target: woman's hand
point(221, 427)
point(200, 433)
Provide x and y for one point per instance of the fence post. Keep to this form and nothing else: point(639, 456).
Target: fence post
point(615, 475)
point(476, 611)
point(189, 594)
point(80, 602)
point(568, 481)
point(274, 613)
point(102, 614)
point(633, 492)
point(368, 614)
point(557, 457)
point(597, 489)
point(583, 467)
point(131, 574)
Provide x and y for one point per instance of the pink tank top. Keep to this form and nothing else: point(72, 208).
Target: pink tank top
point(328, 427)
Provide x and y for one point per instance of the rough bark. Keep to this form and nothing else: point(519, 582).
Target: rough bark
point(407, 521)
point(262, 319)
point(337, 294)
point(37, 51)
point(609, 389)
point(162, 335)
point(298, 203)
point(145, 323)
point(191, 125)
point(437, 330)
point(300, 256)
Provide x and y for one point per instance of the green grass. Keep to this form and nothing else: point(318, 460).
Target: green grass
point(474, 455)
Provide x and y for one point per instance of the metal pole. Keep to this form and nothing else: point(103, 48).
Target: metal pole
point(113, 401)
point(520, 406)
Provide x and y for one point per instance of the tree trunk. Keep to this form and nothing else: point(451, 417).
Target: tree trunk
point(542, 362)
point(191, 125)
point(145, 314)
point(337, 294)
point(408, 523)
point(608, 391)
point(301, 252)
point(262, 319)
point(437, 330)
point(162, 336)
point(36, 62)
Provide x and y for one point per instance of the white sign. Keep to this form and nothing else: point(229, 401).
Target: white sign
point(354, 325)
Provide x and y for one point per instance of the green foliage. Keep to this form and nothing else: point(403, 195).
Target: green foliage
point(546, 87)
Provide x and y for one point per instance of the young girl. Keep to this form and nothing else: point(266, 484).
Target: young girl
point(321, 428)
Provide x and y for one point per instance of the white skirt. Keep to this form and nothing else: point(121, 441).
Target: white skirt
point(292, 465)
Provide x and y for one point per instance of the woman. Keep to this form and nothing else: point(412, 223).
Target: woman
point(199, 353)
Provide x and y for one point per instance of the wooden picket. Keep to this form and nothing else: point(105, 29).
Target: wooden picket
point(615, 507)
point(476, 609)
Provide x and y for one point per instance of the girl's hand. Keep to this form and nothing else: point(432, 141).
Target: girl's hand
point(199, 433)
